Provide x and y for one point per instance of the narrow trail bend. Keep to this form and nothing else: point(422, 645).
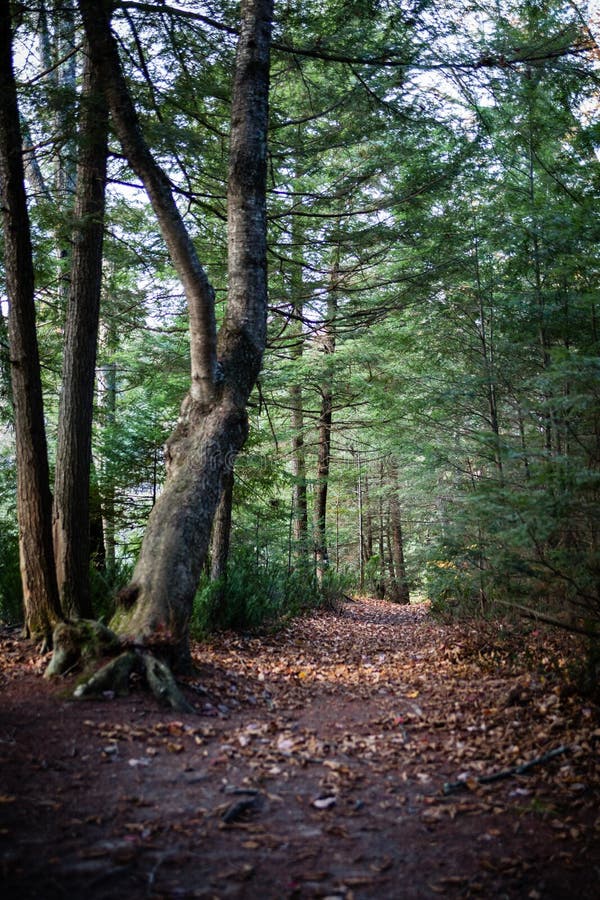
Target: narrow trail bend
point(314, 768)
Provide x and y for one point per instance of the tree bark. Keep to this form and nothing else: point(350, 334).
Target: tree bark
point(71, 518)
point(399, 589)
point(107, 400)
point(299, 498)
point(34, 502)
point(222, 530)
point(155, 609)
point(325, 425)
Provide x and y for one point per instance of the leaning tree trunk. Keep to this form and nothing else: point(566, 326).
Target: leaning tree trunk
point(155, 609)
point(33, 489)
point(71, 518)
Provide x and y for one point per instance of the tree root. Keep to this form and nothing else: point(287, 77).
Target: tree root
point(112, 678)
point(163, 685)
point(83, 642)
point(78, 643)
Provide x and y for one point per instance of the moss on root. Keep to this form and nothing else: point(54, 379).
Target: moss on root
point(80, 643)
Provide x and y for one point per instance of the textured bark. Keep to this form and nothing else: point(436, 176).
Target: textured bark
point(321, 489)
point(33, 491)
point(221, 535)
point(399, 588)
point(107, 398)
point(367, 542)
point(71, 518)
point(324, 437)
point(299, 497)
point(155, 609)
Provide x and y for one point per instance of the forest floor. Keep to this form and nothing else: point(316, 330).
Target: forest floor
point(314, 767)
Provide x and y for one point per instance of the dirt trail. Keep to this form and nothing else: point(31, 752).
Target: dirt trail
point(315, 768)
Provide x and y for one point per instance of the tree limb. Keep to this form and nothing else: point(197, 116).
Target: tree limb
point(198, 290)
point(530, 613)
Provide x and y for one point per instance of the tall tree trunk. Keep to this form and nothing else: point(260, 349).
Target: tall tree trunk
point(381, 532)
point(367, 542)
point(361, 523)
point(325, 425)
point(97, 543)
point(5, 379)
point(34, 504)
point(399, 589)
point(107, 400)
point(57, 43)
point(221, 536)
point(156, 607)
point(487, 342)
point(71, 519)
point(299, 498)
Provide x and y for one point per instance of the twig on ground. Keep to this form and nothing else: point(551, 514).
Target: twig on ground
point(451, 787)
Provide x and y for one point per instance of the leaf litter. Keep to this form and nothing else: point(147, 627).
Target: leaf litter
point(315, 767)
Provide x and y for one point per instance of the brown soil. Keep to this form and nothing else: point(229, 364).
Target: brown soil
point(314, 768)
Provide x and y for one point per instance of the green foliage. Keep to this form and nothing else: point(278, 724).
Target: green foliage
point(256, 594)
point(11, 595)
point(253, 594)
point(104, 586)
point(453, 214)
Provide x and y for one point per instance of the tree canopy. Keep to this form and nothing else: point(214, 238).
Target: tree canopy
point(419, 371)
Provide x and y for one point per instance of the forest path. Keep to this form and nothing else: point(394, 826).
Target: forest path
point(315, 768)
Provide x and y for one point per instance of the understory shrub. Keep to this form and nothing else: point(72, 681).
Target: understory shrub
point(256, 593)
point(11, 594)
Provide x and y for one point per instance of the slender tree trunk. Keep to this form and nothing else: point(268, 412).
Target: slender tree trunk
point(367, 544)
point(155, 609)
point(97, 543)
point(56, 48)
point(322, 486)
point(361, 522)
point(71, 520)
point(5, 379)
point(325, 425)
point(299, 495)
point(399, 592)
point(486, 338)
point(107, 400)
point(221, 536)
point(34, 504)
point(381, 534)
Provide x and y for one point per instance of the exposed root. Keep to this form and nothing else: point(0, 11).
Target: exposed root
point(85, 641)
point(113, 678)
point(163, 685)
point(80, 642)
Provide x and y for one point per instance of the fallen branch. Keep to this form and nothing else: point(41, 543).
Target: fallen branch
point(529, 613)
point(452, 786)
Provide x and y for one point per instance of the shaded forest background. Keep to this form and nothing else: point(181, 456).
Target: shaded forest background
point(426, 422)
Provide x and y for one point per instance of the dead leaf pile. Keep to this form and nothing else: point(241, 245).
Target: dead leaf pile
point(316, 767)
